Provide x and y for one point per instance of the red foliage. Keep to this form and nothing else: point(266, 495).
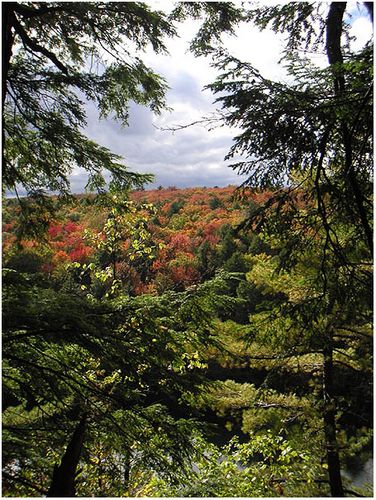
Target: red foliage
point(71, 227)
point(180, 241)
point(176, 263)
point(58, 244)
point(8, 227)
point(29, 243)
point(55, 230)
point(80, 254)
point(184, 275)
point(213, 239)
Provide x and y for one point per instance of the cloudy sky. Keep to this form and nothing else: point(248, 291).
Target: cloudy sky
point(193, 156)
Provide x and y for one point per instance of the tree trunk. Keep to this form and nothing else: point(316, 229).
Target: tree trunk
point(369, 6)
point(333, 40)
point(64, 475)
point(333, 49)
point(127, 469)
point(334, 466)
point(7, 15)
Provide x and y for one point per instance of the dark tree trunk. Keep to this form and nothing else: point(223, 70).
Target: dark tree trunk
point(64, 475)
point(334, 466)
point(7, 15)
point(369, 6)
point(333, 49)
point(127, 469)
point(334, 32)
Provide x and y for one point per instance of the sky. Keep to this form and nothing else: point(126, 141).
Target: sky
point(193, 156)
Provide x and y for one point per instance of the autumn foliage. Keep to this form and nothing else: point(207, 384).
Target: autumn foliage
point(186, 230)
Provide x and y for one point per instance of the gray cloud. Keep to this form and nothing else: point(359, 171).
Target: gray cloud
point(192, 156)
point(185, 88)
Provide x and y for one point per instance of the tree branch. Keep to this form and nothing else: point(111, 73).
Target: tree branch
point(20, 480)
point(28, 12)
point(35, 47)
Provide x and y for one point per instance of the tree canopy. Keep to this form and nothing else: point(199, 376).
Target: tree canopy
point(312, 139)
point(57, 57)
point(136, 336)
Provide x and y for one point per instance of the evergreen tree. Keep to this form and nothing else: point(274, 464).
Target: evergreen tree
point(56, 55)
point(95, 386)
point(101, 390)
point(316, 134)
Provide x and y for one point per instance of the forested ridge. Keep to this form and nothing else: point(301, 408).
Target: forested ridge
point(234, 386)
point(185, 229)
point(212, 342)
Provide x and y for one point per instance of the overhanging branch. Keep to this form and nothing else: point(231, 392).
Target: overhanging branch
point(35, 47)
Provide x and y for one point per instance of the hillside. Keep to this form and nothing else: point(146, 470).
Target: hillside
point(189, 227)
point(195, 342)
point(236, 373)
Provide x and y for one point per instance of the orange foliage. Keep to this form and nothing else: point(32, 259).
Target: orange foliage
point(80, 254)
point(176, 263)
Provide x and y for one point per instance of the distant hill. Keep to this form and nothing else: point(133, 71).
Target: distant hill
point(192, 228)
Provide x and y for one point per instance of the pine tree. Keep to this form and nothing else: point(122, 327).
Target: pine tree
point(313, 134)
point(93, 387)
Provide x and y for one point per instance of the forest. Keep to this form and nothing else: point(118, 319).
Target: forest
point(186, 342)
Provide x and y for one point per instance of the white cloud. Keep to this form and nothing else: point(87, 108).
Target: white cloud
point(193, 156)
point(361, 30)
point(261, 48)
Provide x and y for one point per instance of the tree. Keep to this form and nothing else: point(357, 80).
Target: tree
point(315, 134)
point(175, 207)
point(334, 329)
point(96, 386)
point(215, 203)
point(308, 127)
point(125, 238)
point(59, 55)
point(56, 56)
point(250, 469)
point(101, 386)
